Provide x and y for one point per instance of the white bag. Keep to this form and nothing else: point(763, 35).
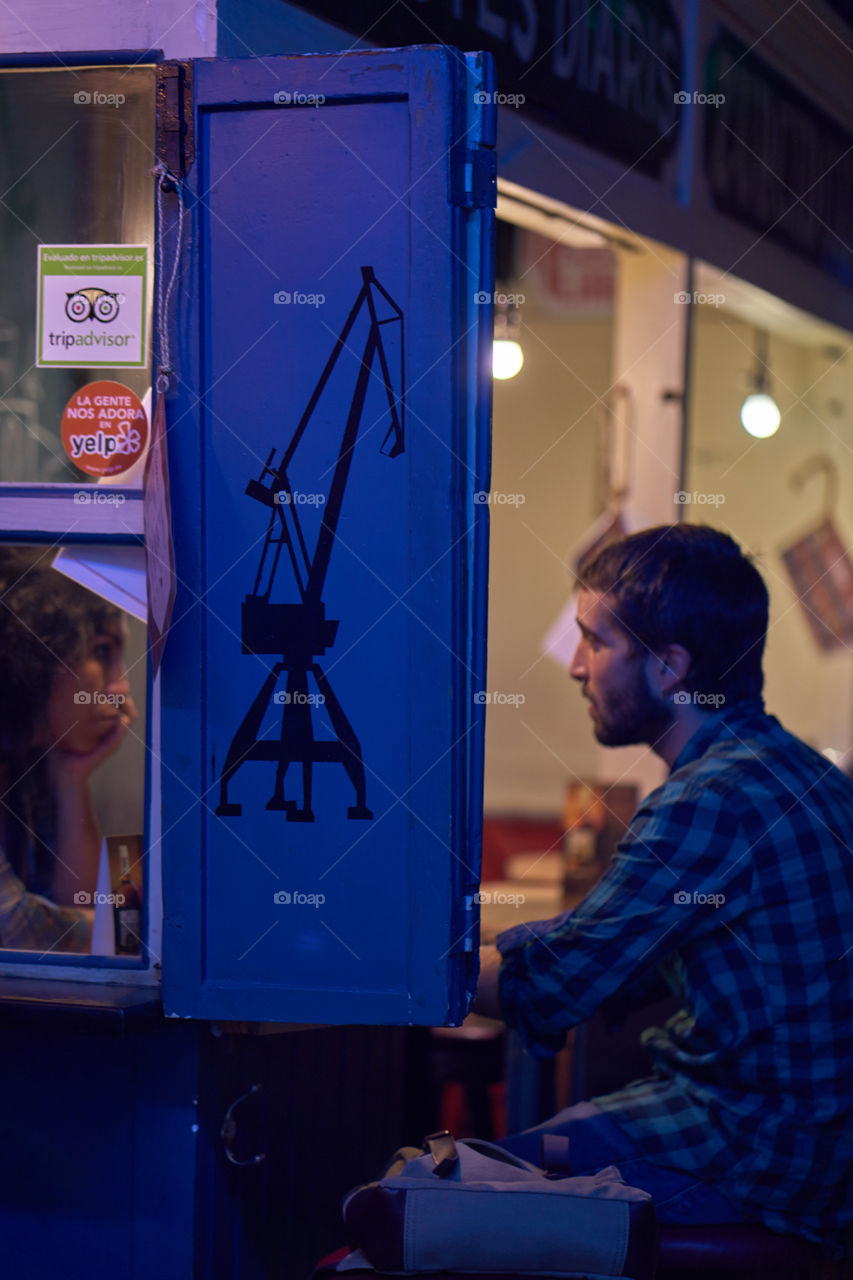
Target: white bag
point(471, 1206)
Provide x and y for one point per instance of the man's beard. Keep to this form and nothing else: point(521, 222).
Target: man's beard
point(632, 715)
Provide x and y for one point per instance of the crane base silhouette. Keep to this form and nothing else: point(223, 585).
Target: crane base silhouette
point(296, 744)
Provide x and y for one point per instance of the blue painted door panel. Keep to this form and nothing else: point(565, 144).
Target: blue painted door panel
point(322, 744)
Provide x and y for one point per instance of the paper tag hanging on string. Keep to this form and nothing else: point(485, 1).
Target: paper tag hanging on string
point(159, 552)
point(563, 636)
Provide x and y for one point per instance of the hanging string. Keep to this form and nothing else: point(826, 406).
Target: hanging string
point(166, 181)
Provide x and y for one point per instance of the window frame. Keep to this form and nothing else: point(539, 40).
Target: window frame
point(49, 513)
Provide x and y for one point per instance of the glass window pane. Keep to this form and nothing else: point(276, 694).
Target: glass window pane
point(76, 150)
point(72, 753)
point(546, 493)
point(787, 497)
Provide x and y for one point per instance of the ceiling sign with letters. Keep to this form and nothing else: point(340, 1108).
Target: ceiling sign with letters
point(775, 160)
point(605, 74)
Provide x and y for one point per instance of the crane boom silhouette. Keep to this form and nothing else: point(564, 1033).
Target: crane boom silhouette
point(299, 632)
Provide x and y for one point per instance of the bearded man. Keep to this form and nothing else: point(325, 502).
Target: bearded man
point(732, 889)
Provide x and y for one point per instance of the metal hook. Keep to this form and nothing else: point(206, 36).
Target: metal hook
point(167, 181)
point(818, 462)
point(620, 436)
point(228, 1132)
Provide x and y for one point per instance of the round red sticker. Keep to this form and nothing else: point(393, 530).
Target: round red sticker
point(104, 428)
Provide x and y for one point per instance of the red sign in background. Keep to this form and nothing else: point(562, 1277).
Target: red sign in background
point(104, 428)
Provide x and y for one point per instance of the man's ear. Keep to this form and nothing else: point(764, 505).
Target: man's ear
point(669, 667)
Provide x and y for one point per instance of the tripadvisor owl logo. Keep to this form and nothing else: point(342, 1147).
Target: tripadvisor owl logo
point(93, 303)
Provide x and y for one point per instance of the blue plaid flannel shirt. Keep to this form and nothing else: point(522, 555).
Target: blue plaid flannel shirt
point(734, 882)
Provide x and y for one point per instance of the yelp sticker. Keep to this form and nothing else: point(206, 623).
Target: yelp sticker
point(104, 428)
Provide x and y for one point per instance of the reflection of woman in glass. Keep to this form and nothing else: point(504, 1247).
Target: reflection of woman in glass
point(65, 707)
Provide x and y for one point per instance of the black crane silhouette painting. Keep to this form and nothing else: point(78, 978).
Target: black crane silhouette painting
point(297, 632)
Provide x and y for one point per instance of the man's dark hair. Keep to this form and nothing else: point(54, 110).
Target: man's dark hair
point(691, 585)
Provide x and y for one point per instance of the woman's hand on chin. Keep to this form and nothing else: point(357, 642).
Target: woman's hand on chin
point(67, 765)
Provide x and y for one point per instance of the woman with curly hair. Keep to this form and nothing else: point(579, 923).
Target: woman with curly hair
point(65, 708)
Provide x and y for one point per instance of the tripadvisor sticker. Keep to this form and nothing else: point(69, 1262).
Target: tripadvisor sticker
point(91, 306)
point(104, 428)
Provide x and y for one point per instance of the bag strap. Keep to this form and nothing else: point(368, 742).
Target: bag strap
point(442, 1148)
point(495, 1152)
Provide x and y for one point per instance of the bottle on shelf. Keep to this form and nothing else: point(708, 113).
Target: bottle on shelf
point(128, 910)
point(584, 819)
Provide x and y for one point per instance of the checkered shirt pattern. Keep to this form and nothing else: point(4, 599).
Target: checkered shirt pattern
point(734, 882)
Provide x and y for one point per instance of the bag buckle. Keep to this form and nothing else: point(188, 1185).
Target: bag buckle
point(442, 1148)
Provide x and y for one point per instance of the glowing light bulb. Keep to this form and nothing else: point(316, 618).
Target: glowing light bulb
point(760, 415)
point(507, 358)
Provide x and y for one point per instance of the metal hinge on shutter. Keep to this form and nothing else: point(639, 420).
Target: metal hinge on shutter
point(175, 140)
point(474, 178)
point(463, 921)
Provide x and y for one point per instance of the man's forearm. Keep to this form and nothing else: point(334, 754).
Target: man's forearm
point(487, 1002)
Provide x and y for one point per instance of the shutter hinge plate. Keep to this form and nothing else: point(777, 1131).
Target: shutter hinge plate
point(474, 178)
point(175, 140)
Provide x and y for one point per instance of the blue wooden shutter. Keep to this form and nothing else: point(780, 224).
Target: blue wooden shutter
point(322, 745)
